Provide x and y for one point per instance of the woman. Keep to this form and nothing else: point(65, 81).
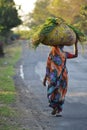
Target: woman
point(57, 78)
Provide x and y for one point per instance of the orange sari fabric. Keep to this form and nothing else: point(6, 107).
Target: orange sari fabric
point(56, 67)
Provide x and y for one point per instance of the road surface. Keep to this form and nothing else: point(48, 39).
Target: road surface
point(32, 71)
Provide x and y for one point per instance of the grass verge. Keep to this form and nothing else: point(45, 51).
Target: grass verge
point(7, 88)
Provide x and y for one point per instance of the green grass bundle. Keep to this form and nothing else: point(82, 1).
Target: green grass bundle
point(55, 31)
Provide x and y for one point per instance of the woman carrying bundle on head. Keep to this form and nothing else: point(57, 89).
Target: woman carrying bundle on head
point(57, 77)
point(55, 32)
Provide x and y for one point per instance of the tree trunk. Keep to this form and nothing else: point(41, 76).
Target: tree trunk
point(1, 50)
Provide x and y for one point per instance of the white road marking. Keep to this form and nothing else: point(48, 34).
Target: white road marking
point(21, 72)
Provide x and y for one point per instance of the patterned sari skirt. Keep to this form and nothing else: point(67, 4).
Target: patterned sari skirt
point(56, 93)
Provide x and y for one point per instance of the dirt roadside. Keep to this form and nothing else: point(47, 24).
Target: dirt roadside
point(27, 119)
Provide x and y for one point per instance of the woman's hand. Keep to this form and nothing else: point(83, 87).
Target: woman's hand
point(44, 81)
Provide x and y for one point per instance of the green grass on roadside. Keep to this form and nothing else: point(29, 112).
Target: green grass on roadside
point(6, 111)
point(7, 87)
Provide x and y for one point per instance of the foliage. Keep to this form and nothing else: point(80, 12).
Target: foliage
point(8, 16)
point(81, 19)
point(66, 9)
point(24, 34)
point(39, 14)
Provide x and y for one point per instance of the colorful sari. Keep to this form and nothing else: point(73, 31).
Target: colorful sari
point(57, 78)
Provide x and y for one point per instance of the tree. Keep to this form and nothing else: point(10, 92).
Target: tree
point(40, 13)
point(67, 9)
point(8, 19)
point(59, 8)
point(8, 16)
point(81, 19)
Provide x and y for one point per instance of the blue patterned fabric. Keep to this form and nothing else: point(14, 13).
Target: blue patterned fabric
point(56, 59)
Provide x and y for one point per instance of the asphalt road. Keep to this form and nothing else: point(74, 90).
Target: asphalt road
point(32, 70)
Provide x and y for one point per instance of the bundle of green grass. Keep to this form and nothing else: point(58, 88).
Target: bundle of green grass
point(55, 31)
